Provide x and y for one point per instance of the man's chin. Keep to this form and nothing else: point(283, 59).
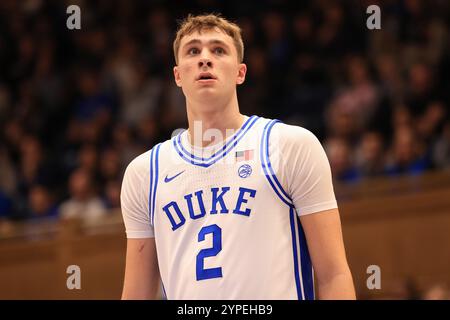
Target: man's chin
point(207, 93)
point(207, 96)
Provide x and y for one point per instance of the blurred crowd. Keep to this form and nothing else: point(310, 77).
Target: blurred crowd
point(76, 106)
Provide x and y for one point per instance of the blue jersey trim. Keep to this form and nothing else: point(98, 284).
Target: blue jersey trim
point(295, 252)
point(273, 175)
point(302, 263)
point(156, 182)
point(267, 167)
point(307, 270)
point(154, 164)
point(206, 162)
point(151, 186)
point(192, 156)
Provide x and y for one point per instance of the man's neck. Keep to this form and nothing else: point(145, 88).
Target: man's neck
point(214, 125)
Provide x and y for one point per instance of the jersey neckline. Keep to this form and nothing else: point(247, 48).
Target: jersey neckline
point(215, 152)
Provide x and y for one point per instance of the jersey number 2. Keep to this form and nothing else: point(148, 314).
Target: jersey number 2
point(202, 273)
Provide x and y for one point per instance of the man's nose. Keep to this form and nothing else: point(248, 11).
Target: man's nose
point(203, 62)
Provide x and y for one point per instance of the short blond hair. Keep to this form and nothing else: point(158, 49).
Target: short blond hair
point(209, 21)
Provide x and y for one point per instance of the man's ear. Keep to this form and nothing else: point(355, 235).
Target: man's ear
point(242, 71)
point(176, 75)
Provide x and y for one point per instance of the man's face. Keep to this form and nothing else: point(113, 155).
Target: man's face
point(208, 68)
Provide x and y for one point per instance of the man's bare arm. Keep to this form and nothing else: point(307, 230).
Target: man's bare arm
point(141, 270)
point(324, 237)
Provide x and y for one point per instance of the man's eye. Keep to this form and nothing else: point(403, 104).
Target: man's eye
point(219, 50)
point(193, 51)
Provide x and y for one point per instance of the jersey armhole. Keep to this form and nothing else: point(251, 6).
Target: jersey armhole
point(154, 175)
point(267, 166)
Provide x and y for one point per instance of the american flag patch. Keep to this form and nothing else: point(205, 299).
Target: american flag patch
point(244, 155)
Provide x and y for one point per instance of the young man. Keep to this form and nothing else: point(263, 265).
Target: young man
point(245, 216)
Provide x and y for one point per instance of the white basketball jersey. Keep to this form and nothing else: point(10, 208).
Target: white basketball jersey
point(226, 218)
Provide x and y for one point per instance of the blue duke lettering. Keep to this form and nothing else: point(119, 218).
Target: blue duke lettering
point(219, 200)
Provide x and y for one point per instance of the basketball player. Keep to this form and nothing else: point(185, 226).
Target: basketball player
point(235, 207)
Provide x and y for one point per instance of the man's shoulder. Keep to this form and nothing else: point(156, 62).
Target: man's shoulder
point(284, 128)
point(293, 130)
point(288, 134)
point(142, 161)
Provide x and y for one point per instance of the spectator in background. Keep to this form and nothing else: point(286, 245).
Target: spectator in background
point(8, 178)
point(303, 33)
point(110, 165)
point(341, 160)
point(13, 133)
point(370, 157)
point(391, 83)
point(277, 51)
point(88, 158)
point(8, 184)
point(341, 123)
point(253, 94)
point(84, 202)
point(93, 99)
point(359, 100)
point(401, 117)
point(147, 130)
point(391, 87)
point(123, 140)
point(408, 155)
point(307, 76)
point(441, 149)
point(429, 123)
point(6, 206)
point(143, 97)
point(41, 203)
point(32, 166)
point(92, 112)
point(78, 133)
point(333, 35)
point(421, 89)
point(248, 28)
point(171, 111)
point(47, 81)
point(120, 66)
point(276, 41)
point(112, 194)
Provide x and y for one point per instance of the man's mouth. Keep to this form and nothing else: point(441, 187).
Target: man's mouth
point(205, 76)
